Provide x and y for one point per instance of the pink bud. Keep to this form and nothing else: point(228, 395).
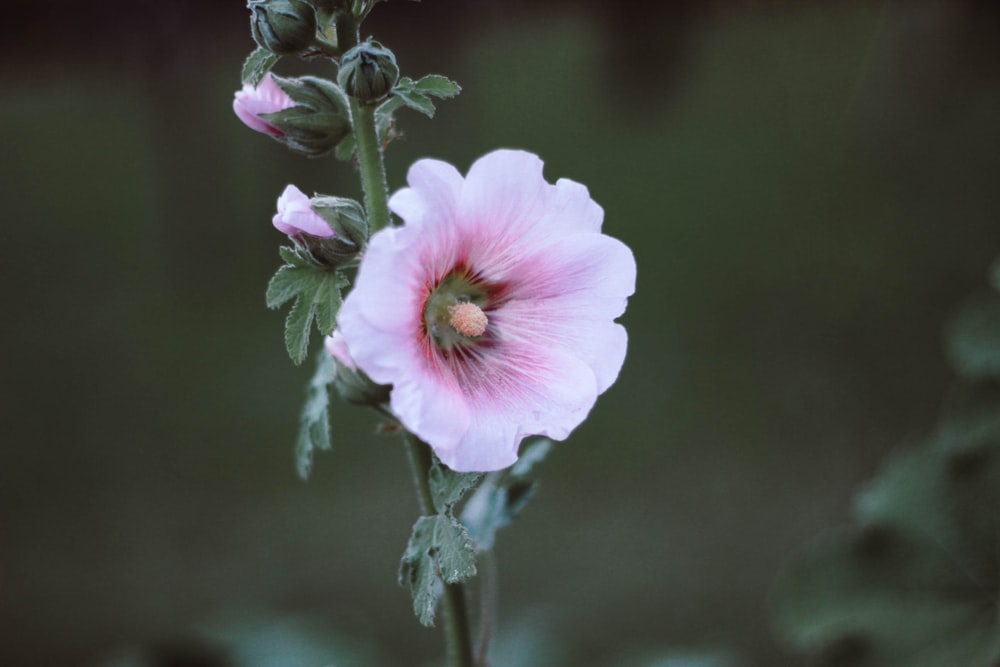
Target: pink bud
point(295, 215)
point(267, 97)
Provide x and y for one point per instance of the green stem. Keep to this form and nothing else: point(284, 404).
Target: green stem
point(456, 616)
point(370, 162)
point(370, 165)
point(373, 182)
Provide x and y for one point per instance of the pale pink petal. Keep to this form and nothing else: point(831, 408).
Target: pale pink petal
point(250, 102)
point(434, 190)
point(296, 216)
point(337, 348)
point(432, 408)
point(389, 288)
point(570, 209)
point(551, 286)
point(504, 192)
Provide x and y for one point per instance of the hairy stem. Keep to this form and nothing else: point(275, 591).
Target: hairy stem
point(456, 616)
point(370, 163)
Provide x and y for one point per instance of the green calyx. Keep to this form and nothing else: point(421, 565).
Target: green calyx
point(283, 27)
point(368, 72)
point(453, 312)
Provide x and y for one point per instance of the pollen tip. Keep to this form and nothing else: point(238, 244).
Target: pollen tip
point(468, 319)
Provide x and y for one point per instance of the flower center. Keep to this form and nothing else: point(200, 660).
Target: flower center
point(454, 313)
point(468, 319)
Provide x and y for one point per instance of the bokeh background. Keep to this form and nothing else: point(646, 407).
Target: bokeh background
point(810, 189)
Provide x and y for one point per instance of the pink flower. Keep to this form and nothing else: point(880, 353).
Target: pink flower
point(267, 97)
point(491, 311)
point(295, 215)
point(337, 348)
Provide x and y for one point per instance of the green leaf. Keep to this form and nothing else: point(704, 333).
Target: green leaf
point(438, 551)
point(448, 486)
point(328, 300)
point(314, 423)
point(294, 256)
point(286, 283)
point(257, 65)
point(297, 327)
point(317, 298)
point(893, 598)
point(439, 86)
point(910, 584)
point(405, 93)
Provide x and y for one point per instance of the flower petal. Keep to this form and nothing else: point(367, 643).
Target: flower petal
point(553, 286)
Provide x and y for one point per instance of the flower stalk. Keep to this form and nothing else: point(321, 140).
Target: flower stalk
point(456, 618)
point(376, 196)
point(370, 165)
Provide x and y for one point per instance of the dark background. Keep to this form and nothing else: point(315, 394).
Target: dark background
point(810, 190)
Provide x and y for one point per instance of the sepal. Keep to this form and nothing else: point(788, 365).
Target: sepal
point(346, 218)
point(320, 119)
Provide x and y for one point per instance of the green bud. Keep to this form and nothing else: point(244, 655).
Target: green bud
point(346, 218)
point(283, 27)
point(309, 132)
point(368, 71)
point(320, 119)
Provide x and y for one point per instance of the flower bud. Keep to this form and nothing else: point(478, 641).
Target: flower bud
point(353, 385)
point(251, 102)
point(319, 120)
point(368, 71)
point(283, 27)
point(331, 230)
point(345, 217)
point(295, 217)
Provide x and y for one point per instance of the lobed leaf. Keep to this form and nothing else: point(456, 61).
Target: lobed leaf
point(439, 86)
point(297, 326)
point(257, 64)
point(439, 552)
point(314, 423)
point(406, 93)
point(317, 298)
point(448, 486)
point(286, 283)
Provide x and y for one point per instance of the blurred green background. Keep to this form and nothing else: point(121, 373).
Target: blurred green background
point(810, 189)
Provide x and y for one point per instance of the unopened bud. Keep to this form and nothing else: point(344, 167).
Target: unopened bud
point(368, 71)
point(283, 27)
point(319, 120)
point(345, 217)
